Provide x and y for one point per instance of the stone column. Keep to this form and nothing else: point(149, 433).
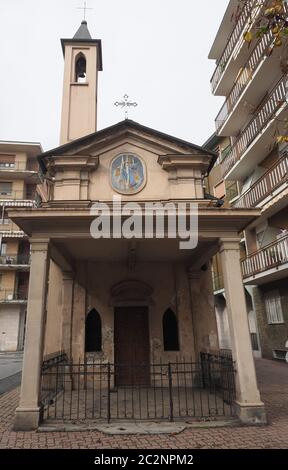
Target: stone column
point(67, 313)
point(249, 406)
point(28, 412)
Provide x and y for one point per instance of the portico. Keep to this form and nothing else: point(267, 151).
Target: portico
point(118, 276)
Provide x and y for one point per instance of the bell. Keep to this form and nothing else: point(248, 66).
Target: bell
point(81, 75)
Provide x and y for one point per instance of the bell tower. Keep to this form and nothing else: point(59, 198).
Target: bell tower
point(83, 60)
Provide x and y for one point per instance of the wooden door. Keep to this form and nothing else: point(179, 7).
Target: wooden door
point(131, 340)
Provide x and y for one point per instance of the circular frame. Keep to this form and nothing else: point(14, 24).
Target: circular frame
point(129, 191)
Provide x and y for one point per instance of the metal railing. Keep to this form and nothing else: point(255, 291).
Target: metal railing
point(15, 259)
point(19, 166)
point(271, 256)
point(244, 78)
point(236, 34)
point(158, 391)
point(264, 186)
point(12, 295)
point(266, 113)
point(18, 195)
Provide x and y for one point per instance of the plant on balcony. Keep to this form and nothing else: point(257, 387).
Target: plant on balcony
point(273, 17)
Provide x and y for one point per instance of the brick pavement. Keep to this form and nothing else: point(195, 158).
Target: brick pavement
point(273, 383)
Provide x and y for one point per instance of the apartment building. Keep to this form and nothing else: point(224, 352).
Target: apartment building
point(19, 187)
point(253, 160)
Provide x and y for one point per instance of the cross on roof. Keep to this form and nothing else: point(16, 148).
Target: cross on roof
point(126, 103)
point(84, 8)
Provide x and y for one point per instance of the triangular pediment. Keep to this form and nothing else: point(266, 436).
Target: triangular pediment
point(127, 131)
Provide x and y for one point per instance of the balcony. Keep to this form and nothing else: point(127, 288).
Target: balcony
point(15, 261)
point(27, 171)
point(19, 198)
point(265, 187)
point(255, 77)
point(268, 264)
point(230, 60)
point(13, 296)
point(251, 84)
point(251, 145)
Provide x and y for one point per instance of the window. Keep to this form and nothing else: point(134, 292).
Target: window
point(170, 331)
point(93, 332)
point(3, 249)
point(273, 307)
point(7, 161)
point(5, 188)
point(80, 69)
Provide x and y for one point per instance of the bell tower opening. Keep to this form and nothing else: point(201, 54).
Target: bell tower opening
point(80, 68)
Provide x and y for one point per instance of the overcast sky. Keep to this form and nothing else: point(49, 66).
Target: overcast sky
point(153, 50)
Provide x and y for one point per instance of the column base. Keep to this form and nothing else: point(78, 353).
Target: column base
point(27, 419)
point(251, 413)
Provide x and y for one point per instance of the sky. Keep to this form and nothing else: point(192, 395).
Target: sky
point(156, 51)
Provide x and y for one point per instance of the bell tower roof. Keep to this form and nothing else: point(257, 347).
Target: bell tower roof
point(83, 32)
point(83, 36)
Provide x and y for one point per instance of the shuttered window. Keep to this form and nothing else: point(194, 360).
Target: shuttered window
point(273, 307)
point(5, 188)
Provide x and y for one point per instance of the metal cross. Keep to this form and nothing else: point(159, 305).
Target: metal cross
point(126, 103)
point(85, 8)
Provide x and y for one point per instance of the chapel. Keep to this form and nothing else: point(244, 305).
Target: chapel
point(138, 309)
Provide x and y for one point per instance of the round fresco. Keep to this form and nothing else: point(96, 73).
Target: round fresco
point(127, 174)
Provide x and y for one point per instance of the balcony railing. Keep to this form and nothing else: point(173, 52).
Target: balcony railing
point(19, 166)
point(15, 259)
point(270, 106)
point(264, 186)
point(18, 195)
point(232, 41)
point(12, 296)
point(244, 78)
point(271, 256)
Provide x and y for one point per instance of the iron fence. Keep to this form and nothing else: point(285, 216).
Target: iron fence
point(160, 391)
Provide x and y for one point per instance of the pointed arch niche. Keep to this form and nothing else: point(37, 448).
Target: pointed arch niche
point(80, 68)
point(170, 331)
point(93, 332)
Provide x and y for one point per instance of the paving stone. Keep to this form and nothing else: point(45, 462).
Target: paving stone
point(273, 384)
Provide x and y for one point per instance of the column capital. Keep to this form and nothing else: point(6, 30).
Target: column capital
point(229, 244)
point(39, 244)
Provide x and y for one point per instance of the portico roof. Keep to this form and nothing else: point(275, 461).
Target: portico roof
point(73, 221)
